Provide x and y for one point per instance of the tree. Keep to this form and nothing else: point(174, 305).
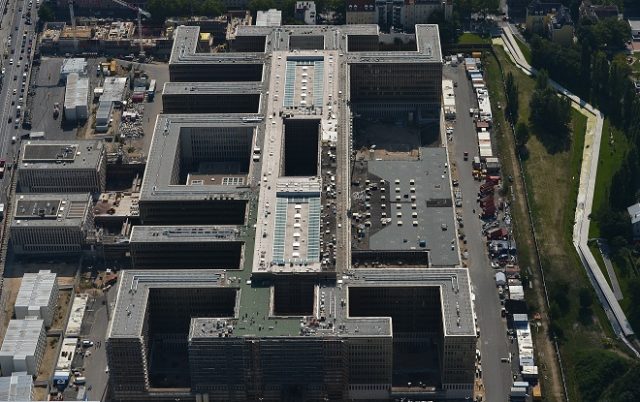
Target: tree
point(550, 115)
point(162, 9)
point(511, 93)
point(586, 300)
point(522, 135)
point(45, 13)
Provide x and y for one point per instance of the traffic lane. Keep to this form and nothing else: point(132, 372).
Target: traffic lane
point(96, 365)
point(494, 344)
point(12, 70)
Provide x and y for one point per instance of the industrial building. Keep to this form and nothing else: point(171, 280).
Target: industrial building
point(49, 166)
point(73, 66)
point(37, 297)
point(76, 98)
point(48, 224)
point(180, 247)
point(103, 116)
point(17, 388)
point(243, 285)
point(78, 308)
point(23, 347)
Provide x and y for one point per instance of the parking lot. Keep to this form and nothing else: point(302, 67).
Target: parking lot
point(496, 375)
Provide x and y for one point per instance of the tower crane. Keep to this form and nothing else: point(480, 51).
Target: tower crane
point(140, 12)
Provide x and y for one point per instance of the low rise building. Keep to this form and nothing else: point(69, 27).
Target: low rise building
point(74, 65)
point(598, 12)
point(51, 223)
point(269, 18)
point(37, 297)
point(23, 347)
point(634, 215)
point(552, 20)
point(306, 12)
point(635, 29)
point(17, 388)
point(62, 166)
point(78, 309)
point(76, 98)
point(361, 12)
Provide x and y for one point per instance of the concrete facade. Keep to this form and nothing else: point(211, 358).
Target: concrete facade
point(51, 223)
point(64, 167)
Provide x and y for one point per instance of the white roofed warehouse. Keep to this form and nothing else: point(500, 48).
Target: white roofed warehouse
point(76, 98)
point(37, 296)
point(23, 347)
point(18, 387)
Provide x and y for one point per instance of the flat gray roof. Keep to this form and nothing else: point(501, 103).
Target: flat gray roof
point(454, 285)
point(35, 289)
point(185, 41)
point(133, 292)
point(50, 209)
point(156, 185)
point(21, 338)
point(206, 88)
point(436, 222)
point(335, 38)
point(49, 154)
point(18, 387)
point(186, 234)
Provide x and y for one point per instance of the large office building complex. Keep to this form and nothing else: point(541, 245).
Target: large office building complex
point(51, 223)
point(247, 283)
point(62, 167)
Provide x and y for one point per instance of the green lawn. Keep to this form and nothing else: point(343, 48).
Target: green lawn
point(613, 149)
point(524, 48)
point(470, 39)
point(552, 183)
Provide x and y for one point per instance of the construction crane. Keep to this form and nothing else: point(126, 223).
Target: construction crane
point(140, 12)
point(73, 27)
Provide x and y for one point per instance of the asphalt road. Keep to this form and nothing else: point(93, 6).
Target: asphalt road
point(17, 62)
point(493, 336)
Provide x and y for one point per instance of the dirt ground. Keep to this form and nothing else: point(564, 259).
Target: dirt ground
point(40, 394)
point(549, 368)
point(62, 308)
point(10, 289)
point(48, 360)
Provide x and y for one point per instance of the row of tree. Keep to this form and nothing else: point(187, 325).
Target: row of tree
point(596, 69)
point(162, 9)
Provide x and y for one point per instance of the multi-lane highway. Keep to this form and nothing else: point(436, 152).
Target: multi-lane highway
point(17, 42)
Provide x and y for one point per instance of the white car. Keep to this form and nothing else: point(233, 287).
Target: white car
point(15, 91)
point(10, 62)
